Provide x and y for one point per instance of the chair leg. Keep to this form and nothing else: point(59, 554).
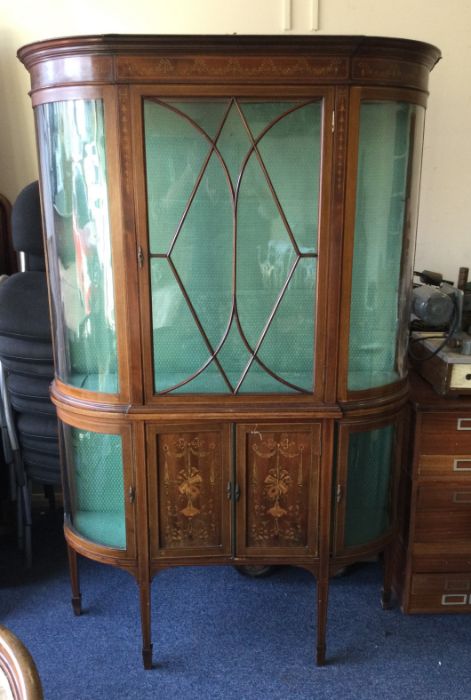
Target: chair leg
point(28, 522)
point(28, 546)
point(49, 493)
point(24, 522)
point(74, 581)
point(388, 570)
point(20, 527)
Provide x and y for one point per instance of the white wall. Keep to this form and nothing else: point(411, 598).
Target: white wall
point(444, 237)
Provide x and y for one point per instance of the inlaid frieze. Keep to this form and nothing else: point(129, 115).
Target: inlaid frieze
point(231, 68)
point(382, 70)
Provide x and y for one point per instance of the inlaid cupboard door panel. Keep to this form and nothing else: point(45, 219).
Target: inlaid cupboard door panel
point(188, 482)
point(278, 479)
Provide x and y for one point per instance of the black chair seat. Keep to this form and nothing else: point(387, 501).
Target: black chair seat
point(25, 307)
point(37, 426)
point(44, 446)
point(42, 458)
point(28, 387)
point(38, 369)
point(42, 468)
point(25, 350)
point(30, 394)
point(41, 406)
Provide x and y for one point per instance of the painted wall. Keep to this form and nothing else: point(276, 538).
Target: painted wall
point(444, 236)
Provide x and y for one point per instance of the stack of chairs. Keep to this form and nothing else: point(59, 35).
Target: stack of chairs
point(26, 366)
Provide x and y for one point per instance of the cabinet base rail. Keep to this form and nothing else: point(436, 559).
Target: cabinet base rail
point(145, 602)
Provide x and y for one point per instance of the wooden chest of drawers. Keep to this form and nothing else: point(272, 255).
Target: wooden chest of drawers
point(433, 550)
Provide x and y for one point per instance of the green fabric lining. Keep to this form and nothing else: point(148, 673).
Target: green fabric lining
point(382, 182)
point(370, 459)
point(204, 248)
point(98, 510)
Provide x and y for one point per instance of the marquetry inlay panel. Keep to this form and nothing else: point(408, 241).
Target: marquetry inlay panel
point(189, 488)
point(281, 484)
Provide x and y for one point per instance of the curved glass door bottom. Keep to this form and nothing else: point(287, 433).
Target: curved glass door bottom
point(95, 486)
point(233, 190)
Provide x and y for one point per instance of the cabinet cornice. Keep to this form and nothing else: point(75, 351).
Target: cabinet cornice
point(314, 60)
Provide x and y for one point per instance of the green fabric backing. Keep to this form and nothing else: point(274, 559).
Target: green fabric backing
point(98, 511)
point(370, 459)
point(383, 166)
point(226, 229)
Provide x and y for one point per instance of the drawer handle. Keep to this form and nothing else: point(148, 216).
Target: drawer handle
point(462, 497)
point(454, 599)
point(457, 465)
point(464, 424)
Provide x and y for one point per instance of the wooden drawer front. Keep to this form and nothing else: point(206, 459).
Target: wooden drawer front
point(445, 433)
point(440, 593)
point(444, 527)
point(453, 496)
point(437, 563)
point(455, 465)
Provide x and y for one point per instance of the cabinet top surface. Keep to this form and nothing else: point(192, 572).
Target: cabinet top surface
point(424, 398)
point(148, 43)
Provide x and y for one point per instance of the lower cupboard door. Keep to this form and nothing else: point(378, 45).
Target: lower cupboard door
point(278, 480)
point(189, 472)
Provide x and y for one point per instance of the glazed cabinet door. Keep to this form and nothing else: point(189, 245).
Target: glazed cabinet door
point(99, 488)
point(85, 250)
point(189, 482)
point(385, 137)
point(368, 456)
point(231, 227)
point(278, 479)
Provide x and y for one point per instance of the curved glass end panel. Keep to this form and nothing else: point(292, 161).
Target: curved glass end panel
point(75, 201)
point(389, 159)
point(233, 207)
point(95, 486)
point(370, 462)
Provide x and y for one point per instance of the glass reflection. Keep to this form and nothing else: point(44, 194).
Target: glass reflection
point(73, 165)
point(387, 181)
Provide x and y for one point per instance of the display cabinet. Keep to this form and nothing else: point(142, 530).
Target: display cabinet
point(229, 226)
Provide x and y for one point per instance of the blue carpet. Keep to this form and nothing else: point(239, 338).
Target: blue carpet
point(218, 634)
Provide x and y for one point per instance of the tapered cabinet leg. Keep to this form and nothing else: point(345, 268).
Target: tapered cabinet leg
point(74, 581)
point(322, 600)
point(144, 594)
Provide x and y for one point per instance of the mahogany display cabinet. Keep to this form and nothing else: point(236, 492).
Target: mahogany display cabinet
point(229, 226)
